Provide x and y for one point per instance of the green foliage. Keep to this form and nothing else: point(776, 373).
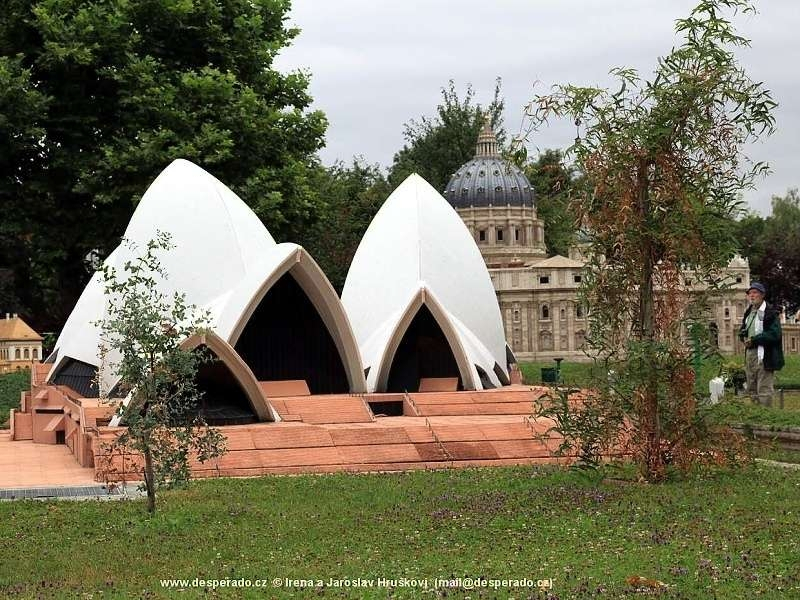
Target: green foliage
point(713, 535)
point(555, 184)
point(353, 195)
point(436, 147)
point(11, 386)
point(777, 265)
point(750, 233)
point(593, 430)
point(572, 373)
point(97, 98)
point(664, 173)
point(141, 338)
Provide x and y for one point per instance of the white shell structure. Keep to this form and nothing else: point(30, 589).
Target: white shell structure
point(224, 260)
point(417, 251)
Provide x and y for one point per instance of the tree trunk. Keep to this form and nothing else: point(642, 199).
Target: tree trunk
point(653, 466)
point(149, 481)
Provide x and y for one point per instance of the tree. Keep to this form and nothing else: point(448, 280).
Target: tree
point(97, 98)
point(436, 147)
point(664, 170)
point(555, 184)
point(144, 328)
point(353, 195)
point(750, 234)
point(779, 264)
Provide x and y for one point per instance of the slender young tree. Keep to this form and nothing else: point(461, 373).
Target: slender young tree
point(141, 337)
point(663, 160)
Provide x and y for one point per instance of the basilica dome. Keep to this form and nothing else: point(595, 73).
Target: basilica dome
point(487, 179)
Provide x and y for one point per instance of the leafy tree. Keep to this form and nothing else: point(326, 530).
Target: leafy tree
point(353, 195)
point(664, 169)
point(555, 184)
point(750, 234)
point(12, 384)
point(144, 328)
point(98, 97)
point(436, 147)
point(779, 264)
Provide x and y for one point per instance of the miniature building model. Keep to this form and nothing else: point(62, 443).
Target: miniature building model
point(20, 346)
point(420, 299)
point(497, 203)
point(289, 389)
point(264, 300)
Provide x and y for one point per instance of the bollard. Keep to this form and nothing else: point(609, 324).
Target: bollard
point(716, 388)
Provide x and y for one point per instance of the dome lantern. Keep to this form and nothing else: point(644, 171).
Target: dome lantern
point(488, 179)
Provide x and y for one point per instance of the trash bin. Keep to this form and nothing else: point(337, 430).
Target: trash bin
point(549, 375)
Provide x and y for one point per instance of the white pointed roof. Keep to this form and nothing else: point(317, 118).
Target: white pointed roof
point(417, 242)
point(224, 260)
point(213, 231)
point(211, 228)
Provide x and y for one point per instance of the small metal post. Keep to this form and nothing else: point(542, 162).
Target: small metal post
point(558, 369)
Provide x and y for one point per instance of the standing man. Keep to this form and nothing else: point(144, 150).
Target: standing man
point(761, 334)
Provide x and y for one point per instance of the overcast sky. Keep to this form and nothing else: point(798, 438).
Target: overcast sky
point(376, 64)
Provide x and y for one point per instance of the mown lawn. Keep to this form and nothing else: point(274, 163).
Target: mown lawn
point(580, 374)
point(11, 384)
point(726, 534)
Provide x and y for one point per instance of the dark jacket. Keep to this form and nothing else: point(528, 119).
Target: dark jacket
point(770, 338)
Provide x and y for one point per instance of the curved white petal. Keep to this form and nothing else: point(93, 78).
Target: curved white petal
point(216, 240)
point(417, 241)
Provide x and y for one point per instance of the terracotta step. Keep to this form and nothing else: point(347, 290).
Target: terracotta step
point(419, 433)
point(507, 431)
point(324, 409)
point(372, 435)
point(520, 449)
point(383, 453)
point(436, 410)
point(458, 433)
point(422, 399)
point(291, 457)
point(470, 450)
point(504, 408)
point(290, 436)
point(431, 452)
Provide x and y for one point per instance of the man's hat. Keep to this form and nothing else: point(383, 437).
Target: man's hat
point(758, 287)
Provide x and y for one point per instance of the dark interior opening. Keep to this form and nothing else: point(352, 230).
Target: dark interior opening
point(486, 382)
point(387, 408)
point(510, 358)
point(79, 376)
point(423, 352)
point(286, 338)
point(223, 401)
point(61, 437)
point(501, 375)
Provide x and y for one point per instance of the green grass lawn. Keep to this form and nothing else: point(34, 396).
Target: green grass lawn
point(572, 373)
point(11, 384)
point(720, 535)
point(742, 410)
point(580, 374)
